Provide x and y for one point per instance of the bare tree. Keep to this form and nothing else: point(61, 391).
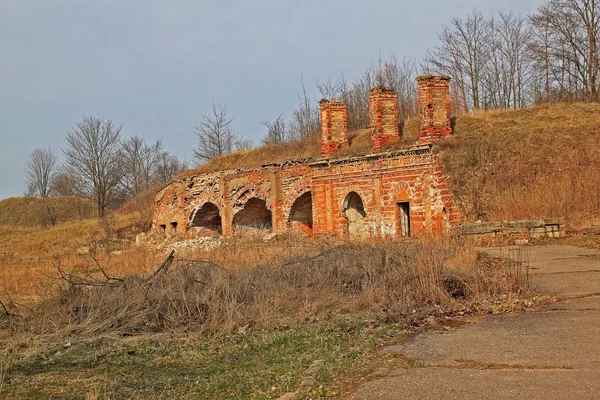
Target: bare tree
point(276, 130)
point(168, 167)
point(507, 78)
point(93, 155)
point(463, 54)
point(305, 117)
point(215, 136)
point(568, 32)
point(66, 183)
point(356, 97)
point(243, 144)
point(330, 89)
point(400, 75)
point(40, 171)
point(140, 161)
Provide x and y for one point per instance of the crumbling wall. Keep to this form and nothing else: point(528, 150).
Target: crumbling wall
point(383, 116)
point(334, 126)
point(533, 228)
point(278, 185)
point(434, 105)
point(382, 181)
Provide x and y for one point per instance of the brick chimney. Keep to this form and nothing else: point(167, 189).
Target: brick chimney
point(434, 105)
point(383, 116)
point(334, 126)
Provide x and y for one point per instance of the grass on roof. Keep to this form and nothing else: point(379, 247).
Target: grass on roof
point(360, 143)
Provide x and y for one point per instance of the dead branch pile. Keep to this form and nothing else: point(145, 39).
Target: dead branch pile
point(387, 281)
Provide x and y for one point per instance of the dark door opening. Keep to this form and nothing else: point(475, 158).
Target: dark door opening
point(404, 217)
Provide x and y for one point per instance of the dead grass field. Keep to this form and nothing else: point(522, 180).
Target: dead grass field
point(503, 164)
point(271, 308)
point(37, 212)
point(532, 163)
point(240, 321)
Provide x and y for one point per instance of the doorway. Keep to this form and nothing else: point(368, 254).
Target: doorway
point(404, 218)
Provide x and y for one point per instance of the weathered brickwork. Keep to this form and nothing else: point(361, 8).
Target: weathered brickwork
point(384, 194)
point(383, 182)
point(334, 126)
point(383, 116)
point(434, 104)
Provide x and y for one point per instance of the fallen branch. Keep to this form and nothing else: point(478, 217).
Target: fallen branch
point(5, 307)
point(164, 267)
point(77, 281)
point(108, 278)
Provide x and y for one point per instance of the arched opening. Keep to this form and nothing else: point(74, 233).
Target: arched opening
point(207, 217)
point(301, 211)
point(354, 211)
point(446, 221)
point(255, 215)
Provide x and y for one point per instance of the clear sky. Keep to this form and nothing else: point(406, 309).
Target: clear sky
point(156, 66)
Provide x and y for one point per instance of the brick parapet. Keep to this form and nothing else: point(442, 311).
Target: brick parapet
point(384, 181)
point(383, 116)
point(334, 126)
point(434, 105)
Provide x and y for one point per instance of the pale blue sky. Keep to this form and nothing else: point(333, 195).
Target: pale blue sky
point(156, 66)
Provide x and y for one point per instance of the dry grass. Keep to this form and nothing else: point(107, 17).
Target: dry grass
point(38, 212)
point(360, 143)
point(269, 308)
point(28, 256)
point(268, 154)
point(530, 163)
point(280, 287)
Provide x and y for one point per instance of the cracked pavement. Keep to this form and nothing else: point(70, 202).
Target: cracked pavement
point(550, 354)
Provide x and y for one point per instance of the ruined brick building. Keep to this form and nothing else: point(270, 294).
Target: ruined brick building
point(383, 193)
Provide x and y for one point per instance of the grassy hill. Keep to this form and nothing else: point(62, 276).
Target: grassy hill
point(33, 211)
point(360, 143)
point(503, 164)
point(274, 307)
point(529, 163)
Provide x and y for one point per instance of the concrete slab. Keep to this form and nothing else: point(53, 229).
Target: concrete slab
point(467, 384)
point(551, 258)
point(553, 354)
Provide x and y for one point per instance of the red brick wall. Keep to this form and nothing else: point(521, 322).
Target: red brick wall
point(334, 126)
point(383, 116)
point(434, 105)
point(381, 181)
point(278, 185)
point(412, 175)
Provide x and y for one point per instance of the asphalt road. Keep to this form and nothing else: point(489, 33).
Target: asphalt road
point(551, 354)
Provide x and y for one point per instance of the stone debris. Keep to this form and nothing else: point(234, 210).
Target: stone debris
point(307, 382)
point(140, 238)
point(199, 243)
point(269, 237)
point(83, 250)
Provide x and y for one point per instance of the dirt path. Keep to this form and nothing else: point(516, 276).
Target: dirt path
point(554, 354)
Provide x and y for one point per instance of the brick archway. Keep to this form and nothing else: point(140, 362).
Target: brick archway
point(402, 192)
point(291, 197)
point(355, 215)
point(207, 217)
point(301, 211)
point(358, 191)
point(244, 193)
point(254, 215)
